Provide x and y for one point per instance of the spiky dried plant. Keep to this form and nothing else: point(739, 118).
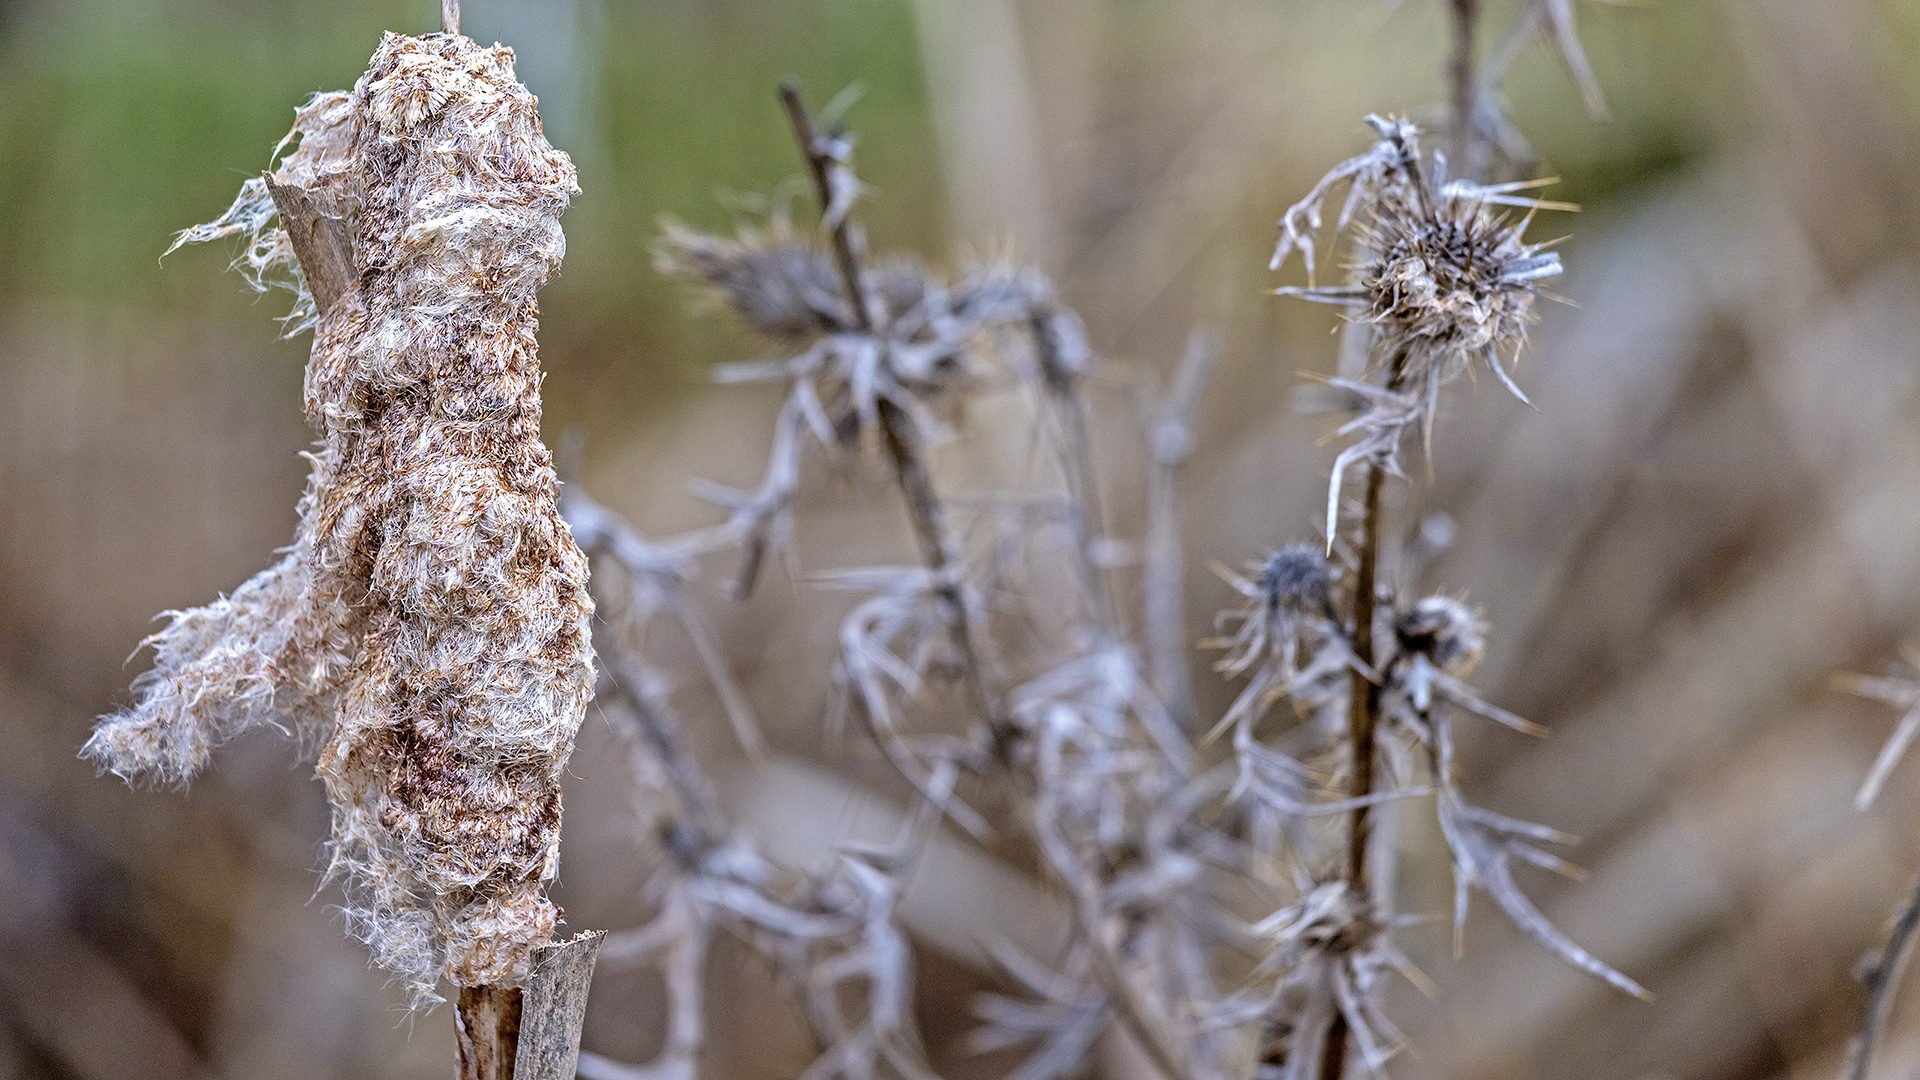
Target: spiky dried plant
point(1881, 971)
point(1218, 914)
point(1441, 282)
point(429, 626)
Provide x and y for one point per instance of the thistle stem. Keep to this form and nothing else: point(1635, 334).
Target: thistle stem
point(1881, 977)
point(821, 164)
point(1460, 87)
point(901, 437)
point(1364, 701)
point(1363, 715)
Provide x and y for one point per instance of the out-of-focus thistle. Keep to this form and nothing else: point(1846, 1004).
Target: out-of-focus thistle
point(1881, 970)
point(429, 625)
point(1442, 277)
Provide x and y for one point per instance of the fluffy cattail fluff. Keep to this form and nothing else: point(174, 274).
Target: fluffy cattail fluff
point(429, 627)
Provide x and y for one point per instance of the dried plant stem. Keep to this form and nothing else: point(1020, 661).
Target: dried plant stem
point(449, 16)
point(319, 241)
point(1363, 714)
point(1083, 500)
point(820, 163)
point(1881, 977)
point(1364, 704)
point(907, 453)
point(486, 1031)
point(901, 437)
point(1460, 86)
point(1140, 1019)
point(700, 810)
point(905, 450)
point(507, 1033)
point(1363, 722)
point(1170, 440)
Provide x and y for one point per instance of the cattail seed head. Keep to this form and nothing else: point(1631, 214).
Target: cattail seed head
point(430, 625)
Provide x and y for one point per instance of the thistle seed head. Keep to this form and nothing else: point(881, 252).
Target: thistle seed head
point(1440, 271)
point(779, 285)
point(1451, 635)
point(1295, 579)
point(1448, 273)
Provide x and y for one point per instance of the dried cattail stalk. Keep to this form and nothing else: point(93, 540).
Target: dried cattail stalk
point(430, 625)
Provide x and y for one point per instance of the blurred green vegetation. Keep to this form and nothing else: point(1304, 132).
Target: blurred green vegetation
point(121, 123)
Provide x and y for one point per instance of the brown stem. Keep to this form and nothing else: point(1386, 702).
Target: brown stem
point(822, 164)
point(1364, 702)
point(319, 239)
point(902, 440)
point(1363, 713)
point(901, 437)
point(487, 1031)
point(507, 1033)
point(1461, 88)
point(1363, 722)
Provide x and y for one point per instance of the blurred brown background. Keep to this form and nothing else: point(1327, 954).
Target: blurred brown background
point(1716, 505)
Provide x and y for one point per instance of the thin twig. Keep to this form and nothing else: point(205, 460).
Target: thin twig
point(1084, 519)
point(1882, 978)
point(821, 164)
point(700, 811)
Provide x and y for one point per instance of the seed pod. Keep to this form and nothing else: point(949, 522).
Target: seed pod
point(430, 626)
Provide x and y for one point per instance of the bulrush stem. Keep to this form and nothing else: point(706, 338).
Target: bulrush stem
point(449, 16)
point(1460, 85)
point(901, 437)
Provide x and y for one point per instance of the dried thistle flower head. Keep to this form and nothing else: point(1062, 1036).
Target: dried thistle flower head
point(1296, 578)
point(1447, 271)
point(781, 286)
point(1291, 590)
point(1442, 274)
point(430, 624)
point(1451, 635)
